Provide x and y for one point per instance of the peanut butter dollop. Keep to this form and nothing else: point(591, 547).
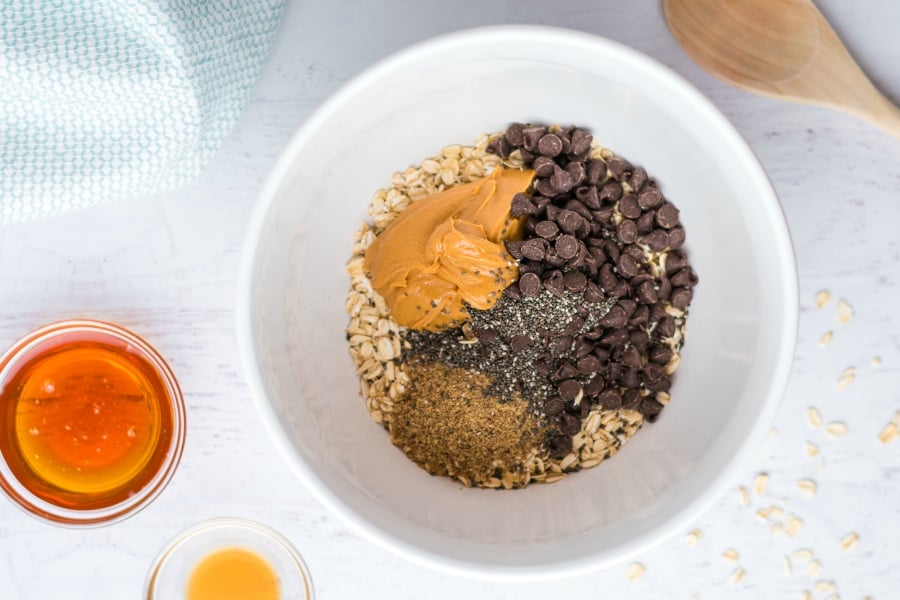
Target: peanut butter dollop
point(447, 249)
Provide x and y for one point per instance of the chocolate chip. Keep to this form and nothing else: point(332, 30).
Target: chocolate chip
point(574, 326)
point(631, 357)
point(515, 249)
point(639, 338)
point(657, 240)
point(628, 306)
point(550, 145)
point(665, 327)
point(589, 364)
point(530, 284)
point(527, 157)
point(587, 194)
point(675, 261)
point(581, 141)
point(616, 317)
point(561, 181)
point(553, 259)
point(622, 290)
point(612, 191)
point(580, 208)
point(542, 364)
point(646, 293)
point(676, 237)
point(595, 171)
point(569, 425)
point(545, 187)
point(658, 311)
point(562, 345)
point(609, 399)
point(485, 335)
point(583, 347)
point(554, 406)
point(592, 293)
point(681, 298)
point(612, 249)
point(519, 342)
point(638, 179)
point(569, 221)
point(653, 372)
point(513, 292)
point(667, 216)
point(628, 266)
point(554, 282)
point(566, 246)
point(618, 167)
point(546, 229)
point(631, 378)
point(646, 222)
point(521, 205)
point(576, 170)
point(650, 198)
point(500, 147)
point(627, 231)
point(593, 387)
point(631, 399)
point(568, 389)
point(514, 134)
point(531, 136)
point(659, 354)
point(534, 249)
point(685, 278)
point(531, 266)
point(629, 207)
point(575, 281)
point(559, 445)
point(650, 408)
point(615, 337)
point(566, 370)
point(543, 166)
point(661, 385)
point(664, 288)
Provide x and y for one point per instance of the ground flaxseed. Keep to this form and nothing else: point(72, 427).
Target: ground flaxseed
point(450, 424)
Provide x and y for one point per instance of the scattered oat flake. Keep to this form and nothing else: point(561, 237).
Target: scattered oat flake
point(889, 433)
point(844, 312)
point(825, 587)
point(793, 525)
point(761, 483)
point(825, 339)
point(788, 568)
point(813, 569)
point(744, 495)
point(776, 529)
point(762, 514)
point(731, 555)
point(738, 575)
point(776, 511)
point(635, 571)
point(802, 554)
point(846, 378)
point(807, 595)
point(807, 486)
point(876, 361)
point(812, 414)
point(849, 541)
point(812, 449)
point(822, 298)
point(837, 429)
point(693, 537)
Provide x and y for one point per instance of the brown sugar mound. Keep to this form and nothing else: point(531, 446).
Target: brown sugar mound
point(449, 424)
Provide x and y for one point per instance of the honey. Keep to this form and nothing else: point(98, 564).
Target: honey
point(233, 574)
point(87, 419)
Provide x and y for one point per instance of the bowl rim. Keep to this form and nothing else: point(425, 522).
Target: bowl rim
point(779, 237)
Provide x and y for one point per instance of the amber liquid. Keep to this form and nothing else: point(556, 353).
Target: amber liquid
point(88, 421)
point(233, 574)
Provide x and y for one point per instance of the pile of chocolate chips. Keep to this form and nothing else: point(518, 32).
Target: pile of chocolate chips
point(573, 243)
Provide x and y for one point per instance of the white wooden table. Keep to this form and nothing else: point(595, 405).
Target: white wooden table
point(165, 267)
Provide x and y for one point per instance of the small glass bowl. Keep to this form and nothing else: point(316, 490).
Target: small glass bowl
point(168, 578)
point(46, 338)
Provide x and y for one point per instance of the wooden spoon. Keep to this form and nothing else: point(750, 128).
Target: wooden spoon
point(781, 48)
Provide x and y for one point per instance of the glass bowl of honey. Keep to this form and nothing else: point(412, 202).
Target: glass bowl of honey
point(93, 423)
point(229, 558)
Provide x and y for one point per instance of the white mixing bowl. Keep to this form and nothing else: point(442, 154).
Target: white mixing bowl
point(742, 324)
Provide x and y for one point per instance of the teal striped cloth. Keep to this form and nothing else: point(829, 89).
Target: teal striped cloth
point(114, 98)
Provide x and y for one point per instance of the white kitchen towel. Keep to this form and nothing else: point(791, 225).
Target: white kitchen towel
point(116, 98)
